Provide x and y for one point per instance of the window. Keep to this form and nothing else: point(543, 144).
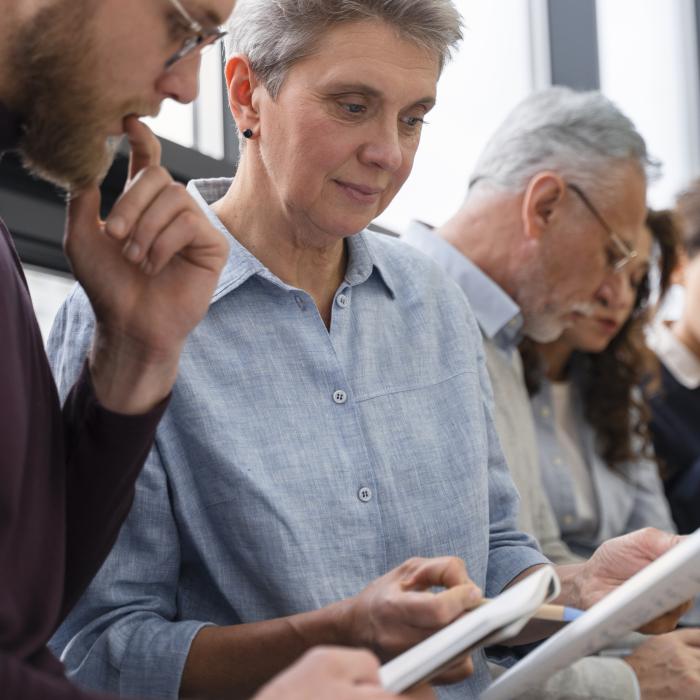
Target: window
point(650, 70)
point(199, 125)
point(494, 69)
point(49, 290)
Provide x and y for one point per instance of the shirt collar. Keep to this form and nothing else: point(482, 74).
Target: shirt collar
point(10, 129)
point(677, 358)
point(498, 316)
point(364, 256)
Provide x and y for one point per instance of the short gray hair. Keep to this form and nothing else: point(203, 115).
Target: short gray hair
point(581, 135)
point(275, 34)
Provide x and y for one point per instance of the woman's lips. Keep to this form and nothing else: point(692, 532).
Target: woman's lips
point(608, 325)
point(359, 193)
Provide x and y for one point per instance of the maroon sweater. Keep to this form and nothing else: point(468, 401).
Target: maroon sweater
point(66, 484)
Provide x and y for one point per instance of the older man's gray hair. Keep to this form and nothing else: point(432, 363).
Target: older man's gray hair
point(275, 34)
point(582, 136)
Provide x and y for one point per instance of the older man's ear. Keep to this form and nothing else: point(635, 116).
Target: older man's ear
point(543, 194)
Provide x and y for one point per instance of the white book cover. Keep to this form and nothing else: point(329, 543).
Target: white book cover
point(496, 620)
point(658, 588)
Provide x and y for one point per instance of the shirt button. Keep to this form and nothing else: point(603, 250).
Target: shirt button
point(339, 396)
point(365, 494)
point(558, 460)
point(545, 412)
point(568, 520)
point(342, 301)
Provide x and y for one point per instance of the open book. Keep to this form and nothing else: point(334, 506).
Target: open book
point(498, 619)
point(663, 585)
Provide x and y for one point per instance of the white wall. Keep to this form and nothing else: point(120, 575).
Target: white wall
point(648, 66)
point(491, 73)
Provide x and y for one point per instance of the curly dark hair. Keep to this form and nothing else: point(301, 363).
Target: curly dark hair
point(613, 404)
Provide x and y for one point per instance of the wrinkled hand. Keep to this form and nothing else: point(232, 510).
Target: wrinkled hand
point(620, 558)
point(149, 270)
point(329, 673)
point(668, 666)
point(398, 610)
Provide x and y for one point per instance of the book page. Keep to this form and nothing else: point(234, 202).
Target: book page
point(666, 583)
point(502, 617)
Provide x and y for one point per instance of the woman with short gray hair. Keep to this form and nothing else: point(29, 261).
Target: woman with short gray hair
point(331, 420)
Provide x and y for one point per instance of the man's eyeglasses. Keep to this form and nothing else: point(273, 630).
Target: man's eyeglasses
point(200, 38)
point(621, 252)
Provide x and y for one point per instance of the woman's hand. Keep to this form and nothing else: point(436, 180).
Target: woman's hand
point(396, 611)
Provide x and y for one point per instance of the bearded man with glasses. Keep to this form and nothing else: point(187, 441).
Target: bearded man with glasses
point(75, 75)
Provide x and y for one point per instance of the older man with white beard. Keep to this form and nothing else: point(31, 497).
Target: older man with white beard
point(554, 211)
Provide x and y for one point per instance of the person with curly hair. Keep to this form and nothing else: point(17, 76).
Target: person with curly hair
point(597, 458)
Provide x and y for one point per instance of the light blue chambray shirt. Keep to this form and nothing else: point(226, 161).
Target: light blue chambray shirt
point(294, 464)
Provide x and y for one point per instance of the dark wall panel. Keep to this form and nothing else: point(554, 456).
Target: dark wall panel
point(34, 210)
point(574, 44)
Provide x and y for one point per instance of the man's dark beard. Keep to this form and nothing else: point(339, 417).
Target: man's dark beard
point(59, 95)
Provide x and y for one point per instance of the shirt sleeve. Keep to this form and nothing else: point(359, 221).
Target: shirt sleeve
point(124, 635)
point(548, 533)
point(650, 507)
point(510, 550)
point(20, 681)
point(104, 452)
point(121, 636)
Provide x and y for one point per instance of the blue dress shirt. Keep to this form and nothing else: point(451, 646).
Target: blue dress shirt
point(295, 464)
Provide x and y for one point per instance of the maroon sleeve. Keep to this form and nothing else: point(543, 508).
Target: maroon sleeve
point(21, 681)
point(105, 452)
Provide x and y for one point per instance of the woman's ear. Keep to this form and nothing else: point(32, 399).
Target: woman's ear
point(240, 85)
point(543, 194)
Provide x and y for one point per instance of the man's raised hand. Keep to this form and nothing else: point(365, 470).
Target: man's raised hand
point(149, 271)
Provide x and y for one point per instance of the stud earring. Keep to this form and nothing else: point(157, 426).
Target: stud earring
point(248, 133)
